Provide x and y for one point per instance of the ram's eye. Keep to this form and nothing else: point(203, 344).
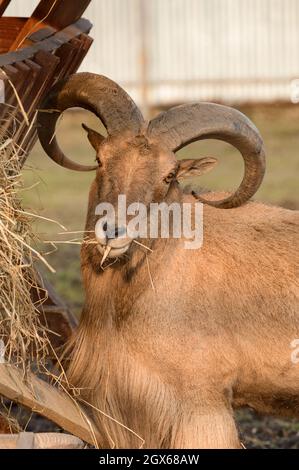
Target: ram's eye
point(169, 178)
point(98, 160)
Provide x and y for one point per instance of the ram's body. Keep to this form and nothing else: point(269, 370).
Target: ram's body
point(172, 339)
point(175, 339)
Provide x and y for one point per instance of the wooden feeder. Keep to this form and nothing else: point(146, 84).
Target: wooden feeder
point(35, 53)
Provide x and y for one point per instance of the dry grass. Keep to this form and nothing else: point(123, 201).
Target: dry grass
point(23, 338)
point(20, 326)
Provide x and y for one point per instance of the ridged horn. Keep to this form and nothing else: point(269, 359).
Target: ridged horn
point(184, 124)
point(96, 93)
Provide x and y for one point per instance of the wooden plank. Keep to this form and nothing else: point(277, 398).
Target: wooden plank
point(4, 107)
point(3, 5)
point(82, 45)
point(44, 440)
point(9, 29)
point(21, 76)
point(49, 44)
point(86, 43)
point(42, 34)
point(27, 97)
point(24, 77)
point(13, 76)
point(63, 13)
point(66, 54)
point(71, 47)
point(21, 84)
point(47, 401)
point(55, 13)
point(48, 63)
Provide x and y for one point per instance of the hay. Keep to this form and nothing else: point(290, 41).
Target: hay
point(24, 340)
point(21, 331)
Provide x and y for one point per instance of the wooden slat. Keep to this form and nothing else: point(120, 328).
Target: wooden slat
point(42, 34)
point(3, 5)
point(82, 49)
point(12, 75)
point(44, 440)
point(58, 14)
point(66, 54)
point(45, 400)
point(4, 108)
point(63, 13)
point(9, 29)
point(48, 63)
point(22, 76)
point(27, 97)
point(86, 42)
point(49, 44)
point(25, 78)
point(20, 82)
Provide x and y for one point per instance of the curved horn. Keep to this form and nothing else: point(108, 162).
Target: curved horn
point(184, 124)
point(98, 94)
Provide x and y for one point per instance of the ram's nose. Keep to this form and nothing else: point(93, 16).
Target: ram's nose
point(112, 240)
point(107, 233)
point(113, 232)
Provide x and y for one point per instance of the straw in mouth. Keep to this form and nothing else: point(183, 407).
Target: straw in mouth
point(106, 253)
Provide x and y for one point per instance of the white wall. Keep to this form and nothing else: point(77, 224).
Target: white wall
point(225, 50)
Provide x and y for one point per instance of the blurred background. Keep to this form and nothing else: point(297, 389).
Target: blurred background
point(244, 53)
point(165, 52)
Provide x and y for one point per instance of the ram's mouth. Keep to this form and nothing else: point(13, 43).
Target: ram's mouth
point(108, 251)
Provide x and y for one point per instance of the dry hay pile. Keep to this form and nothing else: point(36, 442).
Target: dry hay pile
point(21, 332)
point(23, 339)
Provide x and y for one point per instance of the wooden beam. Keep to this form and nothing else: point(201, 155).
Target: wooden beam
point(44, 440)
point(49, 44)
point(9, 29)
point(60, 14)
point(3, 5)
point(55, 13)
point(47, 401)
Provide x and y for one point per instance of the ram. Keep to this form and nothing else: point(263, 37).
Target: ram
point(171, 340)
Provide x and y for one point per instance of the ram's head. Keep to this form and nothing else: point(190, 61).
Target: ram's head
point(137, 159)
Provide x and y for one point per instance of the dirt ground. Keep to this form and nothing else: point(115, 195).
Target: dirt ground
point(266, 432)
point(256, 432)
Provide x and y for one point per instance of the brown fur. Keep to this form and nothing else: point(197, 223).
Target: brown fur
point(167, 365)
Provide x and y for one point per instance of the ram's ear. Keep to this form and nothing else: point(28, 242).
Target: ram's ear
point(189, 168)
point(93, 136)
